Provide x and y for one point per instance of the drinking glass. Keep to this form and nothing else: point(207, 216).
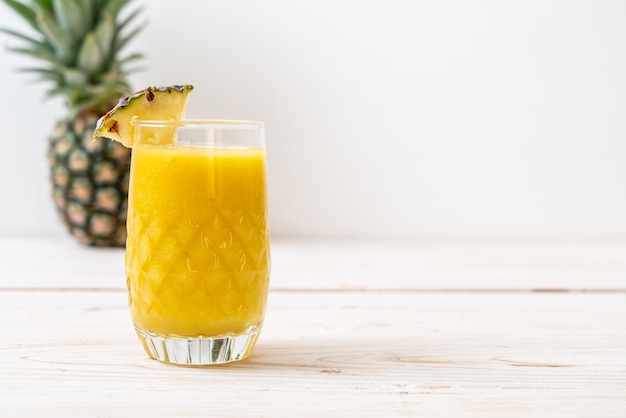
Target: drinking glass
point(197, 253)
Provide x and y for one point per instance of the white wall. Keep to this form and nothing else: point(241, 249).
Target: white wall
point(392, 118)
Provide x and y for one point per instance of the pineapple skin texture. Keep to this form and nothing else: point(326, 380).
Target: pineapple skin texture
point(153, 103)
point(89, 182)
point(79, 46)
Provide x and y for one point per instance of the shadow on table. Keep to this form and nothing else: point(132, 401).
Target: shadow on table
point(337, 356)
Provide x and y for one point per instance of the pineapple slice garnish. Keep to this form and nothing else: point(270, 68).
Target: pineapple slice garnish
point(152, 103)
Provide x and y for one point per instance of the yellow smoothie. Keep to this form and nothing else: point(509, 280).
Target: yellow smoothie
point(197, 255)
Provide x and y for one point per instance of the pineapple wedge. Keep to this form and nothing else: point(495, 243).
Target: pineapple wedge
point(152, 103)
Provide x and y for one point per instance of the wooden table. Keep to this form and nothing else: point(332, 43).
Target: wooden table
point(431, 328)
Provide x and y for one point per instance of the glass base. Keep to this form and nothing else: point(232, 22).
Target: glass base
point(199, 351)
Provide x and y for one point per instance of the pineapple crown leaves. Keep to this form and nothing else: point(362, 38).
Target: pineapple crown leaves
point(79, 44)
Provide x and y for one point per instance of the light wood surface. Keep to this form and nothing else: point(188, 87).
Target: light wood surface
point(470, 329)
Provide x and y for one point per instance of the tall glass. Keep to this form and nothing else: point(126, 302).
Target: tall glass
point(197, 253)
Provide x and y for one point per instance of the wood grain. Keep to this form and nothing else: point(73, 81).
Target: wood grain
point(330, 353)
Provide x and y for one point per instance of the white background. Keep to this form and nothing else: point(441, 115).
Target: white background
point(394, 118)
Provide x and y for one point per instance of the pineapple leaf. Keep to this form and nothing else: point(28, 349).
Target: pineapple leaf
point(59, 39)
point(103, 96)
point(130, 58)
point(39, 53)
point(114, 6)
point(74, 77)
point(131, 16)
point(44, 73)
point(90, 57)
point(45, 6)
point(78, 45)
point(23, 37)
point(121, 42)
point(60, 91)
point(45, 79)
point(37, 70)
point(87, 13)
point(104, 35)
point(118, 41)
point(26, 12)
point(69, 14)
point(134, 70)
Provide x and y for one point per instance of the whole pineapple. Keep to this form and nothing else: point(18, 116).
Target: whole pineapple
point(79, 44)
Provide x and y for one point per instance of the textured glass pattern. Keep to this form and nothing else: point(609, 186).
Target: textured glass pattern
point(200, 351)
point(204, 278)
point(197, 257)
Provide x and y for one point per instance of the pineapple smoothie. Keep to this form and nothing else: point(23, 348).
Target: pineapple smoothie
point(197, 251)
point(197, 256)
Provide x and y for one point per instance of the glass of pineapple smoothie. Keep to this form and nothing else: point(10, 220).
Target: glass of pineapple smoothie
point(197, 254)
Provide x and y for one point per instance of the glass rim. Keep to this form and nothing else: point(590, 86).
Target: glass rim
point(197, 122)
